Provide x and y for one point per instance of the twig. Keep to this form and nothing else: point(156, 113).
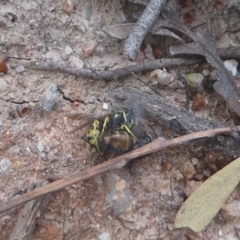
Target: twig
point(114, 74)
point(118, 162)
point(192, 48)
point(142, 27)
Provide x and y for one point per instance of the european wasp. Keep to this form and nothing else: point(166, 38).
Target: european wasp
point(113, 135)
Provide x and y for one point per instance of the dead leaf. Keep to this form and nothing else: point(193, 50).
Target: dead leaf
point(203, 205)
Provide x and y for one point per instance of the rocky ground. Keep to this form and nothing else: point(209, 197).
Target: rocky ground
point(39, 141)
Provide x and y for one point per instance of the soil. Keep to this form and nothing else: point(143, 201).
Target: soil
point(39, 141)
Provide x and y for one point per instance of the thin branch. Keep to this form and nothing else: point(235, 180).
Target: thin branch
point(114, 74)
point(142, 27)
point(118, 162)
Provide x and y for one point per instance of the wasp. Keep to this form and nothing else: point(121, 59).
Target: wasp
point(113, 135)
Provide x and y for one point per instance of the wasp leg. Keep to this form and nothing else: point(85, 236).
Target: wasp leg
point(126, 128)
point(106, 121)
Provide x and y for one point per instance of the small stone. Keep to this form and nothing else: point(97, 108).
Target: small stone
point(11, 95)
point(75, 62)
point(191, 187)
point(3, 86)
point(194, 161)
point(50, 97)
point(68, 50)
point(207, 173)
point(42, 154)
point(231, 66)
point(206, 72)
point(104, 236)
point(163, 78)
point(214, 74)
point(231, 210)
point(31, 22)
point(20, 69)
point(5, 164)
point(187, 169)
point(119, 194)
point(105, 106)
point(81, 26)
point(40, 146)
point(194, 80)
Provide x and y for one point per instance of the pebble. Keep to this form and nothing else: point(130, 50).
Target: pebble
point(40, 145)
point(76, 62)
point(194, 161)
point(81, 26)
point(191, 186)
point(214, 74)
point(20, 69)
point(206, 72)
point(231, 66)
point(105, 106)
point(194, 80)
point(187, 169)
point(5, 164)
point(119, 194)
point(231, 210)
point(3, 86)
point(50, 97)
point(163, 78)
point(68, 50)
point(104, 236)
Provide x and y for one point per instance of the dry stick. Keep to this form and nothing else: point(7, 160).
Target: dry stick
point(118, 162)
point(115, 73)
point(142, 27)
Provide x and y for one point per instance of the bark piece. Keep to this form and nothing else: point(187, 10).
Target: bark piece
point(28, 216)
